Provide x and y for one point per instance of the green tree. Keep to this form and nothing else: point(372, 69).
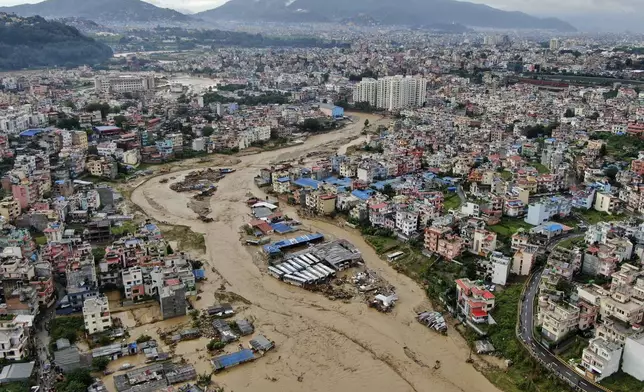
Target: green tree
point(569, 113)
point(169, 250)
point(366, 123)
point(68, 123)
point(98, 253)
point(100, 363)
point(120, 120)
point(207, 131)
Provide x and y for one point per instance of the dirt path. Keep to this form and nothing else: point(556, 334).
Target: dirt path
point(321, 344)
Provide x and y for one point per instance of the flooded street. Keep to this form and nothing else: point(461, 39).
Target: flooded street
point(321, 344)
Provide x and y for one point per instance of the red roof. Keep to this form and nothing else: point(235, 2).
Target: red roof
point(479, 313)
point(488, 295)
point(172, 282)
point(378, 206)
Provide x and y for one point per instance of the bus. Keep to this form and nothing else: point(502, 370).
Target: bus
point(395, 256)
point(315, 272)
point(301, 261)
point(327, 269)
point(286, 267)
point(321, 270)
point(276, 273)
point(296, 264)
point(294, 280)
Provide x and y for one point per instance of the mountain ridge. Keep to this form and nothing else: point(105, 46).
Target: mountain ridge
point(402, 12)
point(29, 42)
point(113, 11)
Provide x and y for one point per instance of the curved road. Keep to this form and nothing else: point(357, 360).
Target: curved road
point(538, 351)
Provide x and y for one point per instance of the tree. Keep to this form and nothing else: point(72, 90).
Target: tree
point(389, 190)
point(569, 113)
point(68, 123)
point(366, 123)
point(100, 363)
point(102, 107)
point(602, 150)
point(168, 250)
point(143, 339)
point(311, 124)
point(120, 120)
point(207, 131)
point(611, 172)
point(98, 253)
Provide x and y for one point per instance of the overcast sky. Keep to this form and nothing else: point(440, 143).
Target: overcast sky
point(540, 7)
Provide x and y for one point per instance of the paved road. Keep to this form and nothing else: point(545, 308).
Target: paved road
point(536, 349)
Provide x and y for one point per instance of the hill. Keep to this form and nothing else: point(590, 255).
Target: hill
point(35, 42)
point(401, 12)
point(101, 11)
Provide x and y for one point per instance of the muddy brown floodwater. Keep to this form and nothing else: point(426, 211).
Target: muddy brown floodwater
point(322, 345)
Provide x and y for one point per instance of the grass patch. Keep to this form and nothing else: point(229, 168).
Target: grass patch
point(16, 387)
point(451, 202)
point(622, 382)
point(40, 240)
point(506, 175)
point(540, 168)
point(574, 350)
point(572, 242)
point(382, 244)
point(414, 263)
point(507, 227)
point(593, 217)
point(186, 238)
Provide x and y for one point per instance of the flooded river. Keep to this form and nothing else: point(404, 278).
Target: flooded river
point(322, 345)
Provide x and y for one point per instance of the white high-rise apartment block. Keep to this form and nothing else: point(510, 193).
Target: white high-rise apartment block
point(392, 92)
point(398, 92)
point(366, 91)
point(123, 83)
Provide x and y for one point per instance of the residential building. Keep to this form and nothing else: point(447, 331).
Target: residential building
point(523, 260)
point(633, 358)
point(96, 314)
point(546, 209)
point(14, 337)
point(474, 302)
point(559, 320)
point(606, 202)
point(496, 268)
point(172, 299)
point(133, 283)
point(601, 358)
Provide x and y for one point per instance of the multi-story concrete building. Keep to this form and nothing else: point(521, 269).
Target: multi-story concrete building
point(474, 302)
point(524, 259)
point(133, 283)
point(366, 91)
point(14, 337)
point(633, 358)
point(546, 209)
point(496, 268)
point(123, 84)
point(606, 202)
point(559, 320)
point(96, 314)
point(398, 92)
point(172, 299)
point(601, 358)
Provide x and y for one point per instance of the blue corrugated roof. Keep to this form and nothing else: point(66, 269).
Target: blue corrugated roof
point(275, 247)
point(32, 132)
point(283, 179)
point(199, 273)
point(281, 228)
point(307, 183)
point(362, 195)
point(233, 359)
